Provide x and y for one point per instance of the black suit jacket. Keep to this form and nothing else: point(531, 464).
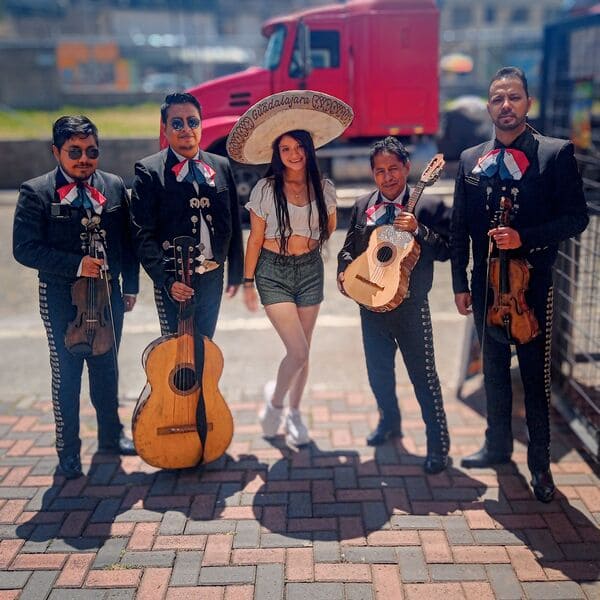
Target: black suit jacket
point(550, 207)
point(432, 235)
point(46, 234)
point(161, 211)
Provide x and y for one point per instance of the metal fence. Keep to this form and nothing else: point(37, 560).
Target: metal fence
point(570, 97)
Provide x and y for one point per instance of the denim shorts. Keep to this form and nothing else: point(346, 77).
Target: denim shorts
point(298, 279)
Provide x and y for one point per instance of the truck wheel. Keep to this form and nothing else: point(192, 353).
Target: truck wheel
point(246, 177)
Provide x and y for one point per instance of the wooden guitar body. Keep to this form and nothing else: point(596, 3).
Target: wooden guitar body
point(165, 421)
point(378, 279)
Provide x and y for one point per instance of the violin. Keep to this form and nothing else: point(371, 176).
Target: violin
point(181, 419)
point(91, 332)
point(510, 320)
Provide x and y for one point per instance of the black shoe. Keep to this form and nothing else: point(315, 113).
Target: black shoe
point(436, 463)
point(543, 485)
point(70, 466)
point(124, 446)
point(382, 433)
point(485, 458)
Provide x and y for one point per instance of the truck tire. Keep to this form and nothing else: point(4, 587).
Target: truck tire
point(246, 177)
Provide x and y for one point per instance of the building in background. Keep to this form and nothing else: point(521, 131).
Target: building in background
point(493, 34)
point(165, 43)
point(54, 52)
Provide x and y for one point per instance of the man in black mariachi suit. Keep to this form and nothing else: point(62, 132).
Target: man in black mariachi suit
point(408, 326)
point(49, 228)
point(539, 177)
point(184, 191)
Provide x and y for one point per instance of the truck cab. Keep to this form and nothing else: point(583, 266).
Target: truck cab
point(379, 56)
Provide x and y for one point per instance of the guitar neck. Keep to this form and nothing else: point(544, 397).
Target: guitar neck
point(185, 320)
point(414, 197)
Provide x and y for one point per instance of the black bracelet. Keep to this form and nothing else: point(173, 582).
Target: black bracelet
point(248, 280)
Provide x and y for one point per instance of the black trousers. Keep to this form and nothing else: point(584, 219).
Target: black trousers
point(57, 311)
point(208, 291)
point(534, 366)
point(407, 328)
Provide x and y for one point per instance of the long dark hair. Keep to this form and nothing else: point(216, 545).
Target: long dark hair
point(313, 181)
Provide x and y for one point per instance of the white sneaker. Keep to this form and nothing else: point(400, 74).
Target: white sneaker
point(296, 430)
point(270, 417)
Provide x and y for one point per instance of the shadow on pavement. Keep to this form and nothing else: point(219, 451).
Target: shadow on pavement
point(370, 505)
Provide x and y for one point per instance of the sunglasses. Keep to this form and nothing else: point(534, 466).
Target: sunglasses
point(75, 153)
point(178, 123)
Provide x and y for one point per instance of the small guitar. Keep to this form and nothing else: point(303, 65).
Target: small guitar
point(182, 420)
point(378, 279)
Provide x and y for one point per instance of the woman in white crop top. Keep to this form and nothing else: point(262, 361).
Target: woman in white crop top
point(292, 214)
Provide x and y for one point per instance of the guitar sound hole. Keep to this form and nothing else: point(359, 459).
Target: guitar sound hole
point(384, 254)
point(184, 379)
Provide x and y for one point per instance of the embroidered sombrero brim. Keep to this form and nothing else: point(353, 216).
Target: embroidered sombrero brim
point(323, 116)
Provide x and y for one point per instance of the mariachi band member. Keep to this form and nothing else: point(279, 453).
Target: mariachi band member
point(408, 326)
point(536, 179)
point(184, 191)
point(55, 217)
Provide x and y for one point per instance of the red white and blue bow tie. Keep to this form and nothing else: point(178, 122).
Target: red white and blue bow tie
point(507, 162)
point(382, 213)
point(191, 170)
point(81, 194)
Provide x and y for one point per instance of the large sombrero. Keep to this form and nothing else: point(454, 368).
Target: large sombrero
point(323, 116)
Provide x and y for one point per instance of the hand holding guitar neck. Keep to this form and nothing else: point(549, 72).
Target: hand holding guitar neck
point(406, 221)
point(181, 292)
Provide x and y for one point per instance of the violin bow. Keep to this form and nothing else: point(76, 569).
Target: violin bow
point(98, 237)
point(487, 279)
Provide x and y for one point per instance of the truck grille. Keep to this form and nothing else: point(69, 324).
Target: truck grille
point(239, 99)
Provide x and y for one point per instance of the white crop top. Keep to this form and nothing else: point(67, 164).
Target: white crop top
point(262, 204)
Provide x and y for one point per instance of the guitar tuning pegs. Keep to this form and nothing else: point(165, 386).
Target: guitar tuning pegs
point(85, 221)
point(83, 236)
point(166, 245)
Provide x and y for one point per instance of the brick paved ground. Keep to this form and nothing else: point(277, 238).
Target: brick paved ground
point(335, 520)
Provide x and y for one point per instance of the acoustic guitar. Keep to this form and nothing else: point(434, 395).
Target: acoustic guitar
point(378, 279)
point(181, 419)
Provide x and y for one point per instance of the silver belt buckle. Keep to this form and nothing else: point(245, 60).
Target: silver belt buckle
point(206, 266)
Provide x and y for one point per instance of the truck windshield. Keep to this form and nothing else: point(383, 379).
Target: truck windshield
point(274, 48)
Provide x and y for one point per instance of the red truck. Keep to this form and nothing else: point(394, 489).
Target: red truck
point(380, 56)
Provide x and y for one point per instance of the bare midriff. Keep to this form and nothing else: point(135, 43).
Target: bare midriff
point(296, 245)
